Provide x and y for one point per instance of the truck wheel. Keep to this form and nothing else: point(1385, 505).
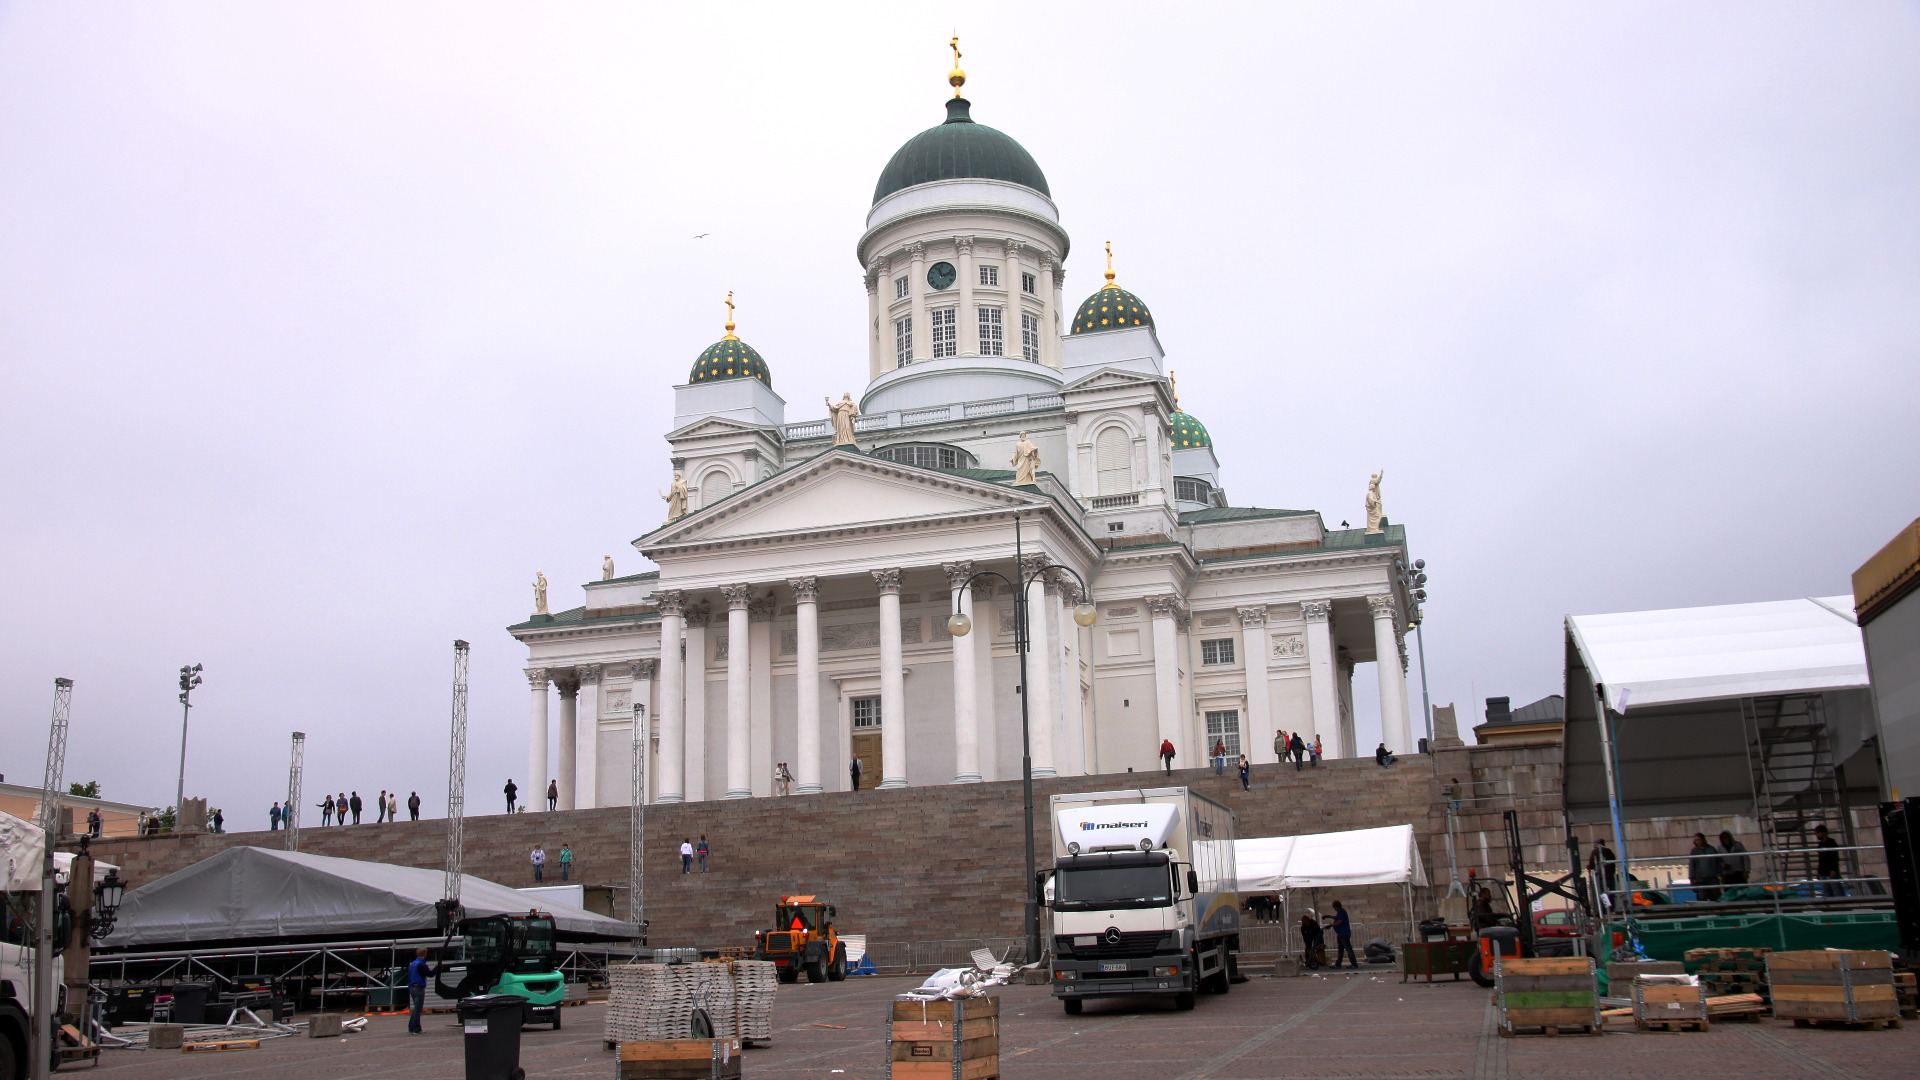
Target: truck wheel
point(1477, 968)
point(9, 1058)
point(1074, 1006)
point(837, 971)
point(557, 1010)
point(1183, 1001)
point(816, 972)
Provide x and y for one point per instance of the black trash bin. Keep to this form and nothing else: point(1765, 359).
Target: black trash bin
point(190, 1002)
point(492, 1025)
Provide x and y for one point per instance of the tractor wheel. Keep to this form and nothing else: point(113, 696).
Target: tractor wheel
point(1074, 1006)
point(816, 971)
point(557, 1010)
point(1477, 968)
point(837, 971)
point(788, 973)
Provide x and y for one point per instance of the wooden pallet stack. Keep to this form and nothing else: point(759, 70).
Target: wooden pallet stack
point(944, 1040)
point(1669, 1003)
point(1907, 993)
point(1553, 995)
point(679, 1059)
point(1725, 972)
point(1834, 987)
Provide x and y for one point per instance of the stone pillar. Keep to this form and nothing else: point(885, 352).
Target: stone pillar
point(1049, 288)
point(922, 332)
point(739, 763)
point(537, 733)
point(670, 783)
point(966, 719)
point(969, 340)
point(1320, 674)
point(586, 768)
point(1394, 725)
point(806, 597)
point(893, 691)
point(760, 693)
point(1042, 665)
point(643, 676)
point(1169, 714)
point(563, 773)
point(986, 628)
point(877, 299)
point(698, 616)
point(1253, 640)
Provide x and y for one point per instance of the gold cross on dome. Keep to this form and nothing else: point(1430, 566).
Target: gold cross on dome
point(729, 336)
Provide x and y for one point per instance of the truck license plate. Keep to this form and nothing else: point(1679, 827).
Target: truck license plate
point(1113, 967)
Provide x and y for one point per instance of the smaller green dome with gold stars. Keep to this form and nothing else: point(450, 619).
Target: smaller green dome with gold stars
point(1188, 432)
point(1112, 308)
point(730, 358)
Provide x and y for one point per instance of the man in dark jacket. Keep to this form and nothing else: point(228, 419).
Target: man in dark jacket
point(1298, 746)
point(513, 792)
point(413, 806)
point(1734, 863)
point(1343, 936)
point(418, 973)
point(1703, 868)
point(356, 807)
point(1828, 866)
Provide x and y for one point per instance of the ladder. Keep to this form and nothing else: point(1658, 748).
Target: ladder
point(1795, 784)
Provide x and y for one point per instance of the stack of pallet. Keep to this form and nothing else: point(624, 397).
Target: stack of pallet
point(1904, 989)
point(944, 1040)
point(651, 1002)
point(1833, 987)
point(754, 983)
point(1554, 995)
point(1669, 1003)
point(1726, 972)
point(679, 1059)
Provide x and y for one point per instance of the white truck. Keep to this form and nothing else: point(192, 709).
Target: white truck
point(1143, 895)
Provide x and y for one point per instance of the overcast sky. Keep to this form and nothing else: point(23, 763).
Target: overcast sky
point(323, 327)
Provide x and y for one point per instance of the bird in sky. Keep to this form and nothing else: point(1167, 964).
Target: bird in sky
point(702, 236)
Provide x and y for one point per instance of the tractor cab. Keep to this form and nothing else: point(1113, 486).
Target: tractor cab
point(509, 954)
point(803, 938)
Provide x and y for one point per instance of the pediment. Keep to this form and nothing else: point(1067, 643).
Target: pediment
point(1110, 379)
point(708, 427)
point(837, 492)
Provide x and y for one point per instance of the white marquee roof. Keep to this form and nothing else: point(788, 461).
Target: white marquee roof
point(1383, 856)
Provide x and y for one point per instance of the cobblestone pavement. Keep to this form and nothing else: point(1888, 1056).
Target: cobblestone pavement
point(1350, 1027)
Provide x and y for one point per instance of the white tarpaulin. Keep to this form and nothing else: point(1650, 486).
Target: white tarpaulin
point(1383, 856)
point(23, 847)
point(1645, 658)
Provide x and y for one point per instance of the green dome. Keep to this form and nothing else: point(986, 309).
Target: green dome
point(956, 150)
point(1188, 432)
point(730, 358)
point(1111, 309)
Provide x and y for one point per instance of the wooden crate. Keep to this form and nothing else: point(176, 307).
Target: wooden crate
point(680, 1059)
point(944, 1040)
point(1555, 995)
point(1835, 986)
point(1659, 1005)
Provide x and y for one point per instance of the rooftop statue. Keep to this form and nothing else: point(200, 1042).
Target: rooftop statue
point(1026, 461)
point(539, 593)
point(1375, 515)
point(676, 496)
point(606, 568)
point(842, 416)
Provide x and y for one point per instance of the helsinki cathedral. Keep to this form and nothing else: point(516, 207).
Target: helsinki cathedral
point(1014, 460)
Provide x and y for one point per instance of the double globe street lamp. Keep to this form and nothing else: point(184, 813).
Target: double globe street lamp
point(959, 625)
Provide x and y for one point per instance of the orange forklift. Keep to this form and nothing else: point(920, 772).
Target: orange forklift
point(803, 937)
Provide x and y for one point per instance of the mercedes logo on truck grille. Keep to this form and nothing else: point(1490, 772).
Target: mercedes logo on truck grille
point(1112, 935)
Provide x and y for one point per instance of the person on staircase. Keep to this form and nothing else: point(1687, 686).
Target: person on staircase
point(553, 794)
point(1166, 755)
point(1299, 748)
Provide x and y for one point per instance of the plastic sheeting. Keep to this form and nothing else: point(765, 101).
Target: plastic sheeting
point(1383, 856)
point(22, 848)
point(249, 892)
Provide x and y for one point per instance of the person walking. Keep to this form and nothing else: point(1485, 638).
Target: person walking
point(1343, 936)
point(1299, 748)
point(1827, 864)
point(1312, 940)
point(686, 855)
point(218, 819)
point(782, 779)
point(93, 822)
point(1313, 751)
point(539, 863)
point(553, 793)
point(380, 807)
point(853, 769)
point(357, 806)
point(1219, 757)
point(326, 811)
point(1166, 755)
point(1280, 745)
point(1735, 866)
point(566, 862)
point(1246, 769)
point(417, 974)
point(1453, 795)
point(1382, 757)
point(702, 849)
point(340, 809)
point(273, 818)
point(393, 806)
point(413, 806)
point(1703, 868)
point(513, 791)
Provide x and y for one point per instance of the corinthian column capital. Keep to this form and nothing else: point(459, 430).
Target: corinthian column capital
point(738, 596)
point(1253, 616)
point(806, 590)
point(888, 580)
point(670, 601)
point(1317, 611)
point(537, 678)
point(958, 572)
point(1381, 605)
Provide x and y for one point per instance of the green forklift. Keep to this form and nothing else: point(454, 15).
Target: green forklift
point(508, 954)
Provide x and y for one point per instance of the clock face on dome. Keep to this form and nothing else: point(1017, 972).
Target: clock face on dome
point(941, 275)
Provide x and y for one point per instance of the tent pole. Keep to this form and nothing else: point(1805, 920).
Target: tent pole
point(1608, 752)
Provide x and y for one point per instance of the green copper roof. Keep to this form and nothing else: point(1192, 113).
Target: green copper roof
point(1111, 309)
point(958, 150)
point(730, 358)
point(1188, 432)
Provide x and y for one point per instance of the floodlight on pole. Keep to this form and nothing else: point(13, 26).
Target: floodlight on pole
point(189, 678)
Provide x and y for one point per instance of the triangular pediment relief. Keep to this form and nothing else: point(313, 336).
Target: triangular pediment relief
point(837, 492)
point(1110, 379)
point(713, 425)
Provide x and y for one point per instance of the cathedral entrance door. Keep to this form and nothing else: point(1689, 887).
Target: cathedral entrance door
point(866, 739)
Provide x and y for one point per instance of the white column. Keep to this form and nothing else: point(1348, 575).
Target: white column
point(760, 694)
point(698, 617)
point(1169, 715)
point(893, 696)
point(670, 785)
point(586, 767)
point(569, 687)
point(1320, 675)
point(739, 763)
point(969, 340)
point(643, 676)
point(966, 720)
point(986, 628)
point(1049, 289)
point(1041, 668)
point(922, 333)
point(876, 335)
point(806, 603)
point(1394, 726)
point(1253, 640)
point(537, 737)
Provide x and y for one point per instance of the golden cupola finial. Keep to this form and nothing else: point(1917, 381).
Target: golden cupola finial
point(729, 336)
point(956, 78)
point(1175, 388)
point(1109, 284)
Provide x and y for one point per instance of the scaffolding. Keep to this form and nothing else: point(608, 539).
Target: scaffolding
point(1795, 783)
point(296, 772)
point(457, 782)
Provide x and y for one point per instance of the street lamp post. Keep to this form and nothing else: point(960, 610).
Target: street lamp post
point(189, 678)
point(959, 625)
point(1415, 582)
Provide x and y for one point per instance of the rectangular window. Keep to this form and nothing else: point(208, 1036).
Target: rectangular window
point(1029, 337)
point(946, 333)
point(1223, 726)
point(1217, 651)
point(866, 712)
point(990, 275)
point(991, 338)
point(899, 288)
point(903, 340)
point(1028, 285)
point(1193, 491)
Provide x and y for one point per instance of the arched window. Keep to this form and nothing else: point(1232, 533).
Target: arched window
point(927, 455)
point(1113, 461)
point(715, 486)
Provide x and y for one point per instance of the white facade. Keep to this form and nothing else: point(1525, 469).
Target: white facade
point(804, 599)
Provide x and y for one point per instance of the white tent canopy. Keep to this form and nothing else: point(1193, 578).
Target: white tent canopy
point(1383, 856)
point(1645, 658)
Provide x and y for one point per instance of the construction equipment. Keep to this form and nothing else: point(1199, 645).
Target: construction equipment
point(803, 937)
point(296, 771)
point(509, 954)
point(1519, 938)
point(457, 789)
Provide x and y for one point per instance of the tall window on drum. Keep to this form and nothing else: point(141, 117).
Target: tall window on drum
point(1223, 726)
point(946, 340)
point(1113, 461)
point(1029, 337)
point(715, 486)
point(991, 336)
point(903, 341)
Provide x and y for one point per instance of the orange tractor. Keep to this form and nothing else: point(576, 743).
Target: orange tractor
point(803, 938)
